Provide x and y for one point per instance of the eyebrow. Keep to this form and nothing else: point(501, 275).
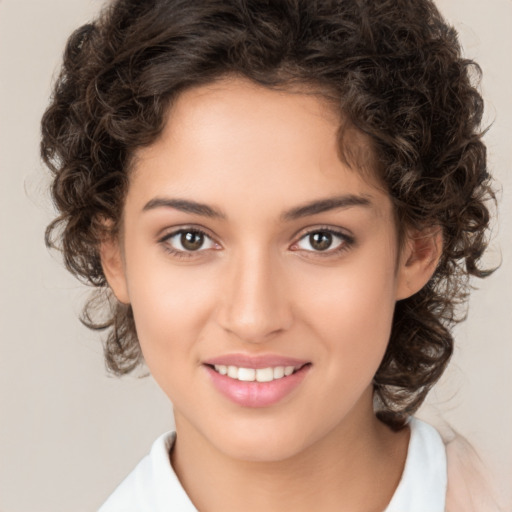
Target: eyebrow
point(184, 205)
point(324, 205)
point(306, 210)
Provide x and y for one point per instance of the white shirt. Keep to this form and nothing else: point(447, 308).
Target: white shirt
point(154, 487)
point(422, 487)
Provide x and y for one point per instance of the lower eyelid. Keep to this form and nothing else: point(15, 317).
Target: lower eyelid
point(328, 254)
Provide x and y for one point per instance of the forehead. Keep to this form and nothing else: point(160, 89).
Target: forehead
point(234, 137)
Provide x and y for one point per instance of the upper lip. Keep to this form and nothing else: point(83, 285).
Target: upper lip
point(253, 361)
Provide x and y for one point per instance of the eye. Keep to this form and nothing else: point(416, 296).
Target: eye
point(323, 241)
point(188, 240)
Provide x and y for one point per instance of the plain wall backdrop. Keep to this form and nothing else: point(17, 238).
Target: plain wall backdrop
point(68, 432)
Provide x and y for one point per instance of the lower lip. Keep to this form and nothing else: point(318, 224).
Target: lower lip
point(257, 394)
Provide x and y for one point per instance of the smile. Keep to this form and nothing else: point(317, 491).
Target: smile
point(255, 374)
point(250, 381)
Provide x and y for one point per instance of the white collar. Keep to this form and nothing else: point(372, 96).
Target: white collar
point(154, 487)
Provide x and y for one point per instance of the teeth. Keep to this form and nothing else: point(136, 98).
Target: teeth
point(278, 372)
point(288, 370)
point(223, 370)
point(246, 374)
point(264, 374)
point(251, 374)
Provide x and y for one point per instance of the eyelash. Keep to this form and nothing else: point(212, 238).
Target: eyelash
point(177, 253)
point(347, 242)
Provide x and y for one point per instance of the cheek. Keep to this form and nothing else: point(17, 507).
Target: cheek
point(353, 310)
point(170, 305)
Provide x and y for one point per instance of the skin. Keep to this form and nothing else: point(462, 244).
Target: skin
point(258, 286)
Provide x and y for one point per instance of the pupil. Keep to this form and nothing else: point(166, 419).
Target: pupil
point(191, 241)
point(320, 241)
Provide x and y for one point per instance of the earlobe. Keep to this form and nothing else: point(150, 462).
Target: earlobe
point(113, 268)
point(418, 261)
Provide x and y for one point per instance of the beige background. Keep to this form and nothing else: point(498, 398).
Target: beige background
point(69, 433)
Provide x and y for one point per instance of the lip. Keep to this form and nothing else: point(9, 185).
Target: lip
point(256, 362)
point(256, 394)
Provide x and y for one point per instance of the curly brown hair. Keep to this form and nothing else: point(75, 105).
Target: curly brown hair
point(393, 67)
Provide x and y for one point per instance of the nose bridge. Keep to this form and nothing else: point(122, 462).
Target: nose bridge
point(255, 304)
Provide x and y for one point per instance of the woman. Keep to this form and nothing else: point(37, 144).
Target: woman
point(283, 202)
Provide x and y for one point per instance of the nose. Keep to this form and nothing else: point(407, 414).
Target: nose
point(255, 304)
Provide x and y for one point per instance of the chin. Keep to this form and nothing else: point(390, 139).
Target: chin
point(262, 441)
point(262, 449)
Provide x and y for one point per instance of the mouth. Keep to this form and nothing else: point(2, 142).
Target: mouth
point(267, 374)
point(256, 381)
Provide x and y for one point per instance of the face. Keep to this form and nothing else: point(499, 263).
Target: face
point(249, 248)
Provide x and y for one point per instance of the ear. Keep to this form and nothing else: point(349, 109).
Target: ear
point(418, 260)
point(113, 267)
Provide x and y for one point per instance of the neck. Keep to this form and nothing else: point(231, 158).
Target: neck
point(357, 466)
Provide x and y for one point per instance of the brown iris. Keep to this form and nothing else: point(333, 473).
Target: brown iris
point(191, 240)
point(320, 241)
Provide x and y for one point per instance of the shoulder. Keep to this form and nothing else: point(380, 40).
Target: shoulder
point(422, 487)
point(468, 486)
point(152, 486)
point(127, 496)
point(442, 472)
point(469, 489)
